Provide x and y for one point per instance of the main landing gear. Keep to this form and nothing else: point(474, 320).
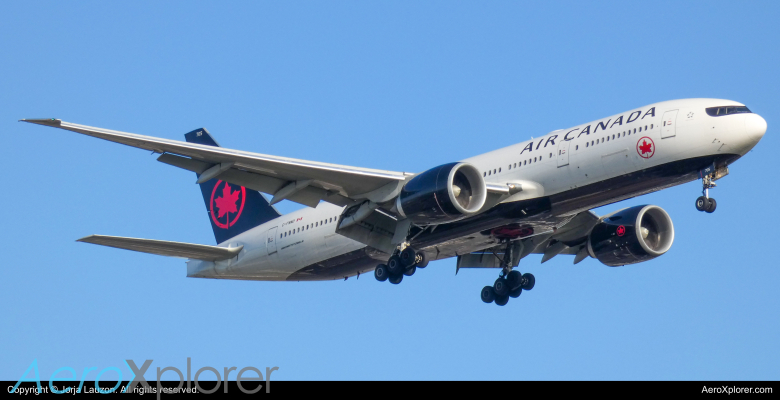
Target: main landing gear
point(706, 203)
point(509, 284)
point(404, 263)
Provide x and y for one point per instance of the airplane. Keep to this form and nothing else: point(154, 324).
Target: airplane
point(489, 211)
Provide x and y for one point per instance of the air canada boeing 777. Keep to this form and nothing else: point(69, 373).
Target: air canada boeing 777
point(489, 211)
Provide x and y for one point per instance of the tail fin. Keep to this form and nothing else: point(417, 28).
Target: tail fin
point(232, 209)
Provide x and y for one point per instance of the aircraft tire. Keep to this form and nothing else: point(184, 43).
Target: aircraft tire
point(381, 273)
point(423, 260)
point(395, 266)
point(701, 203)
point(514, 279)
point(396, 279)
point(501, 287)
point(408, 256)
point(530, 281)
point(502, 300)
point(515, 293)
point(488, 295)
point(410, 271)
point(711, 206)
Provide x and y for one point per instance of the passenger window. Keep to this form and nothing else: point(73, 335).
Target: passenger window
point(607, 138)
point(640, 129)
point(586, 144)
point(577, 147)
point(651, 126)
point(499, 170)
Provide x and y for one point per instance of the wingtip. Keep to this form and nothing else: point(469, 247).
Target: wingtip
point(86, 239)
point(43, 121)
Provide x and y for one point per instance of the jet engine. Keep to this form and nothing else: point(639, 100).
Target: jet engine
point(442, 194)
point(631, 236)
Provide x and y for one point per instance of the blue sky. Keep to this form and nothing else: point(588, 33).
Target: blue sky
point(403, 86)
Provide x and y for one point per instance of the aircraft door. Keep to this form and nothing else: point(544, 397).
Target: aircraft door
point(669, 124)
point(270, 240)
point(563, 152)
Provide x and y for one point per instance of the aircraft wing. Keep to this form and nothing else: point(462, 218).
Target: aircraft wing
point(305, 182)
point(165, 248)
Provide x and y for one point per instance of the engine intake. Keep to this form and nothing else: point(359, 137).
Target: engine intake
point(631, 236)
point(443, 194)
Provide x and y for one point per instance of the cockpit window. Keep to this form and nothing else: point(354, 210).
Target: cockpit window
point(718, 111)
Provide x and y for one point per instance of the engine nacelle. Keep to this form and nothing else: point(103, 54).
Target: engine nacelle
point(631, 236)
point(443, 194)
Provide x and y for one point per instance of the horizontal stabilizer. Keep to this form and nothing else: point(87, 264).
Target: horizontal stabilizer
point(165, 248)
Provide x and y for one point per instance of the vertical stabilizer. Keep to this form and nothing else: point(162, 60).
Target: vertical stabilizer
point(232, 209)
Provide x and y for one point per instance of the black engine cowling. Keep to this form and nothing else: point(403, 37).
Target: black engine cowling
point(443, 194)
point(631, 236)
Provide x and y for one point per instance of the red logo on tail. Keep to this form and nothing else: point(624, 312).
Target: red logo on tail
point(228, 209)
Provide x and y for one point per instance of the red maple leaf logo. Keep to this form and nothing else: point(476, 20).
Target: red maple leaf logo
point(645, 147)
point(227, 203)
point(621, 230)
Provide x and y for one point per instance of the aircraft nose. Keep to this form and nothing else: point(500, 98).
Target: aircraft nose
point(755, 126)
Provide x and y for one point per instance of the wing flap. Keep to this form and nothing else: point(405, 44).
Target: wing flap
point(165, 248)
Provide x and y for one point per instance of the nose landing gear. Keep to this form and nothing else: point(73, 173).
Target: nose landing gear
point(705, 202)
point(708, 177)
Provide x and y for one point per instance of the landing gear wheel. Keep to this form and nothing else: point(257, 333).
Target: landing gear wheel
point(381, 273)
point(502, 300)
point(529, 281)
point(501, 288)
point(410, 271)
point(516, 293)
point(396, 279)
point(701, 203)
point(408, 257)
point(488, 295)
point(514, 279)
point(711, 205)
point(422, 260)
point(395, 266)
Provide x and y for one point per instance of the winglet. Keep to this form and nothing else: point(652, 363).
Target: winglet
point(44, 121)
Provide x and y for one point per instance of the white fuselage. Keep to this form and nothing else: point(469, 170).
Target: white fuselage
point(554, 164)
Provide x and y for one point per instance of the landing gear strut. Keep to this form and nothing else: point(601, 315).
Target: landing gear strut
point(509, 284)
point(708, 176)
point(400, 264)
